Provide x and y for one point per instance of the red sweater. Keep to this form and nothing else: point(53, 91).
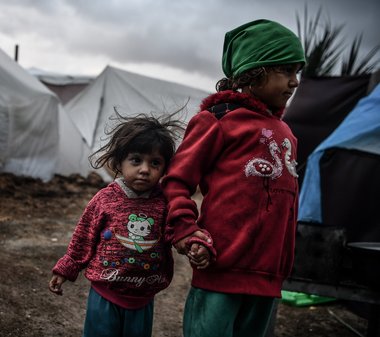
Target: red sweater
point(244, 165)
point(120, 243)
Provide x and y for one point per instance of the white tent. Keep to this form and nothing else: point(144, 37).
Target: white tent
point(130, 94)
point(28, 123)
point(65, 86)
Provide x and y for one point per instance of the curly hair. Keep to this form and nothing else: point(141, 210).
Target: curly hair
point(143, 134)
point(250, 77)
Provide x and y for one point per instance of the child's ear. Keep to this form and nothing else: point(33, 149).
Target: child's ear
point(117, 167)
point(111, 171)
point(246, 90)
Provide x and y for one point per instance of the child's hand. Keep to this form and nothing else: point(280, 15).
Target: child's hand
point(55, 284)
point(182, 247)
point(199, 256)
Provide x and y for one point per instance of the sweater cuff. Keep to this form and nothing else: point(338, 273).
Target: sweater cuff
point(180, 228)
point(181, 232)
point(67, 268)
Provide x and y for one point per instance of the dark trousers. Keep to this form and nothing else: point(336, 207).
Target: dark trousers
point(105, 319)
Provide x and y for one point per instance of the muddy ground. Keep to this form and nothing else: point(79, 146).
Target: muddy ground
point(36, 222)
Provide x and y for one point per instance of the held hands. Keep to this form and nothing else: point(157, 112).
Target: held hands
point(199, 256)
point(55, 284)
point(198, 248)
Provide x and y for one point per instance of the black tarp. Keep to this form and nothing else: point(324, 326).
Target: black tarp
point(318, 107)
point(339, 206)
point(350, 192)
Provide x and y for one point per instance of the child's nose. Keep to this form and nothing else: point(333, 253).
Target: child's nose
point(294, 81)
point(144, 167)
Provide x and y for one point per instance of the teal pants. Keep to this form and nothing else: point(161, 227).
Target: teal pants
point(105, 319)
point(215, 314)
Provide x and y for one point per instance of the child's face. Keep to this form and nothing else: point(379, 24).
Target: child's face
point(279, 85)
point(141, 171)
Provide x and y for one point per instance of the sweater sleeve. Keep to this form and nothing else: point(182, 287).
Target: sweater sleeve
point(83, 243)
point(202, 143)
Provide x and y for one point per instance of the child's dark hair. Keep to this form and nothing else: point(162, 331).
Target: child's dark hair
point(250, 77)
point(143, 134)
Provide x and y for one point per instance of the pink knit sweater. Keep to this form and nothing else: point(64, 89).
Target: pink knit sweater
point(119, 242)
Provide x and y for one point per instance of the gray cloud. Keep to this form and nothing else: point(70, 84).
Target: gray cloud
point(180, 34)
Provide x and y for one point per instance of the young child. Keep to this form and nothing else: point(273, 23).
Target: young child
point(119, 238)
point(242, 155)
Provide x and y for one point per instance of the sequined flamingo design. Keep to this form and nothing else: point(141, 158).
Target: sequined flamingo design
point(264, 168)
point(290, 164)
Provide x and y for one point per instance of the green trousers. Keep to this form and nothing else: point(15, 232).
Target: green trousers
point(212, 314)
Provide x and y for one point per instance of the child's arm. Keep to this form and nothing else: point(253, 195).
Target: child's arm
point(82, 246)
point(202, 144)
point(55, 284)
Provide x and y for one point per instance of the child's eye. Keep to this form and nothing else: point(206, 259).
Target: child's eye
point(288, 69)
point(135, 160)
point(156, 163)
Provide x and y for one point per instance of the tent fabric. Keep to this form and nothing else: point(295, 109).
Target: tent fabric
point(29, 123)
point(67, 91)
point(130, 94)
point(319, 105)
point(349, 185)
point(359, 131)
point(64, 86)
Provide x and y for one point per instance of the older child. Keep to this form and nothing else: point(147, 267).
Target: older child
point(119, 238)
point(242, 155)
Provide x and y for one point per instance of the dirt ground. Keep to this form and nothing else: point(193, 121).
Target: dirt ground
point(36, 222)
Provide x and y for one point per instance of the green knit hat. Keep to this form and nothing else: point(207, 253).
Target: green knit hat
point(259, 43)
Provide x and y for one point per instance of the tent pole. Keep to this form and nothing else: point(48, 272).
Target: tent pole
point(16, 52)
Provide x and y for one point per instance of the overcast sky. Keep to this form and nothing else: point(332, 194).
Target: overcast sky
point(176, 40)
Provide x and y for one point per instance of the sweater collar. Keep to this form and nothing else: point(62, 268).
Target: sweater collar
point(245, 100)
point(130, 193)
